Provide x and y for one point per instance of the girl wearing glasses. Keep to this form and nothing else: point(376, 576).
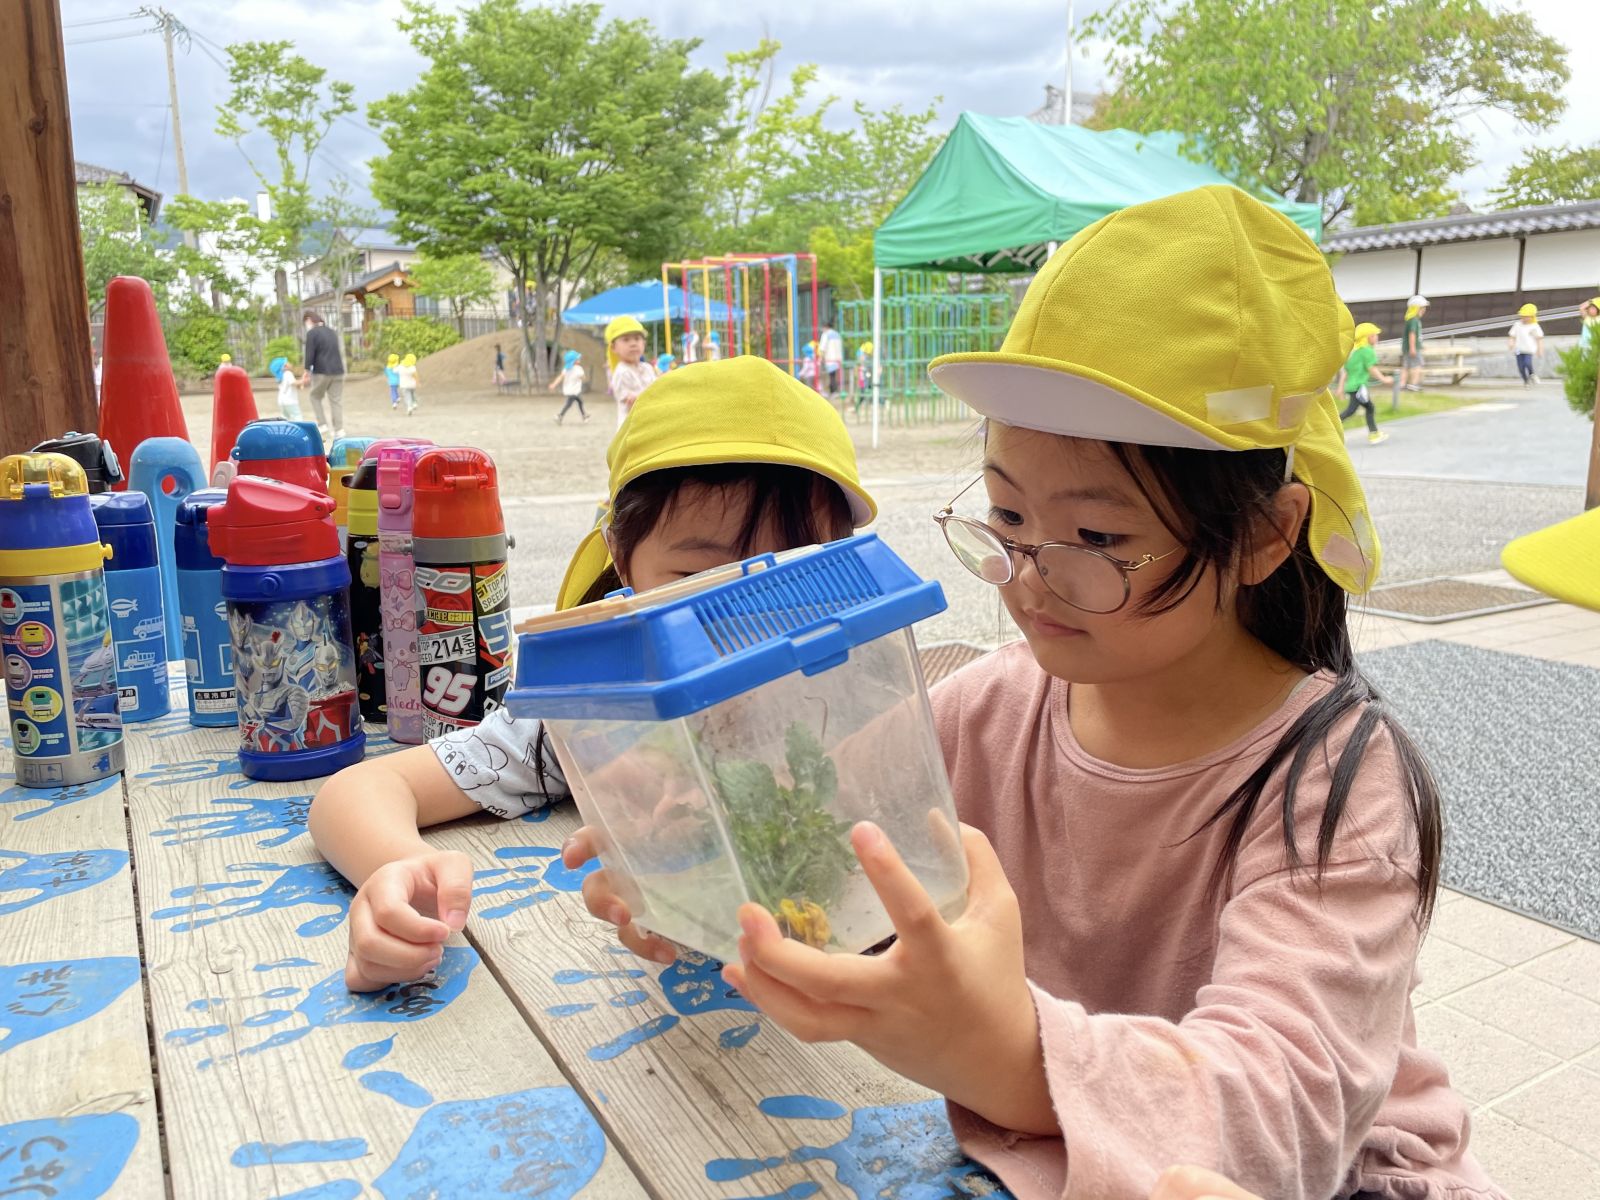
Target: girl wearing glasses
point(1203, 853)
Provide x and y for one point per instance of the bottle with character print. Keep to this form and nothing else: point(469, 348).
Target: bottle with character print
point(287, 589)
point(397, 463)
point(366, 613)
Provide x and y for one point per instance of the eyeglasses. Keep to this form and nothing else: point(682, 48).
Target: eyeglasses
point(1084, 577)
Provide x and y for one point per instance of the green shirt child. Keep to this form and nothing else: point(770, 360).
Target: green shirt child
point(1358, 367)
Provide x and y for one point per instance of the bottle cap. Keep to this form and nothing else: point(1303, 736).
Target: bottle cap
point(456, 494)
point(269, 523)
point(97, 458)
point(50, 529)
point(128, 525)
point(189, 536)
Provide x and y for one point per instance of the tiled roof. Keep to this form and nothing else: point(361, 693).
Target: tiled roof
point(1469, 227)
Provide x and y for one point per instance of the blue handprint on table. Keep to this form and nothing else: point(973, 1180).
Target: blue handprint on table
point(902, 1150)
point(328, 1002)
point(284, 816)
point(536, 872)
point(303, 883)
point(51, 875)
point(39, 998)
point(68, 1158)
point(54, 798)
point(196, 770)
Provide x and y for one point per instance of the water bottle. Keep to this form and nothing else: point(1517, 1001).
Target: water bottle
point(55, 626)
point(459, 542)
point(97, 458)
point(343, 458)
point(290, 451)
point(288, 593)
point(166, 469)
point(133, 584)
point(366, 611)
point(397, 466)
point(207, 647)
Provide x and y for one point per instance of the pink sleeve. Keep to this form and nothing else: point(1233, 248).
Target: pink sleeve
point(1273, 1077)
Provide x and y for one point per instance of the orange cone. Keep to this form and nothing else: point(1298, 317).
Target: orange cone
point(138, 396)
point(233, 406)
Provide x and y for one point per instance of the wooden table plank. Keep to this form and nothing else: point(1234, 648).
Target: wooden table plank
point(275, 1080)
point(708, 1099)
point(77, 1101)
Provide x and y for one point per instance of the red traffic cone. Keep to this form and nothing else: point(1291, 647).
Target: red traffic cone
point(138, 396)
point(233, 406)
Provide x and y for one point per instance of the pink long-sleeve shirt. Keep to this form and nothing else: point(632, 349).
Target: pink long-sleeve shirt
point(1266, 1033)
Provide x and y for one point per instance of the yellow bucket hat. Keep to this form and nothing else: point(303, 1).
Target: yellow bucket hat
point(1561, 560)
point(1528, 310)
point(735, 410)
point(618, 327)
point(1365, 330)
point(1264, 330)
point(394, 360)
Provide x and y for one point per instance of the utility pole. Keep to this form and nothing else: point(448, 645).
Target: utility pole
point(46, 364)
point(174, 29)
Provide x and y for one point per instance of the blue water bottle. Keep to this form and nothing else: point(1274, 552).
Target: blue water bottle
point(166, 469)
point(55, 628)
point(133, 583)
point(288, 593)
point(207, 648)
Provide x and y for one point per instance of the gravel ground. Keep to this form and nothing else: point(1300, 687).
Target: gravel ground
point(1520, 805)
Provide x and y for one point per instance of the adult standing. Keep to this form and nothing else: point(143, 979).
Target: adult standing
point(1411, 344)
point(325, 375)
point(831, 350)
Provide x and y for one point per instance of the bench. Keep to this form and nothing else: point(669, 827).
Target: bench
point(1441, 364)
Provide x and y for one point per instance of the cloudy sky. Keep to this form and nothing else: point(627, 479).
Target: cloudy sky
point(880, 51)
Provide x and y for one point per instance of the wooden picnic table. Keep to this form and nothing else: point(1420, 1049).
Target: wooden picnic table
point(1440, 362)
point(174, 1022)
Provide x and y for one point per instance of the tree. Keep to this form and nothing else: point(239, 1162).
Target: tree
point(1347, 103)
point(460, 280)
point(1551, 175)
point(293, 102)
point(117, 240)
point(545, 140)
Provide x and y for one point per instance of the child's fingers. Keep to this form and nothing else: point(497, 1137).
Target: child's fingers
point(390, 897)
point(807, 1019)
point(986, 878)
point(580, 848)
point(452, 888)
point(601, 899)
point(913, 912)
point(372, 945)
point(647, 945)
point(845, 978)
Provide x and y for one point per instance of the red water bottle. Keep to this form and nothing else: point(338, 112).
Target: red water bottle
point(459, 542)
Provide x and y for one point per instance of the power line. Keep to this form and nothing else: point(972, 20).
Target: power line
point(109, 37)
point(100, 21)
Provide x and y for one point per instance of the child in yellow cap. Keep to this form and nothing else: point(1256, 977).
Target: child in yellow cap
point(1358, 368)
point(718, 462)
point(1526, 341)
point(1202, 853)
point(627, 371)
point(407, 374)
point(391, 373)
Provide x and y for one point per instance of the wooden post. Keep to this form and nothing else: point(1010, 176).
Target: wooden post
point(46, 362)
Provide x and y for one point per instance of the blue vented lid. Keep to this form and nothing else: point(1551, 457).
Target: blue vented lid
point(273, 439)
point(128, 526)
point(684, 647)
point(190, 538)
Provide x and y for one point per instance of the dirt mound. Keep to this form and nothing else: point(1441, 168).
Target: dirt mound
point(469, 366)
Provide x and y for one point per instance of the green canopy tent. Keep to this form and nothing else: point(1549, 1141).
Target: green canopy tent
point(1003, 192)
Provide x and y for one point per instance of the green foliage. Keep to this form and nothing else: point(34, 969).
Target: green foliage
point(460, 280)
point(286, 345)
point(414, 335)
point(1546, 175)
point(1358, 105)
point(117, 240)
point(197, 338)
point(790, 844)
point(547, 140)
point(783, 176)
point(1580, 365)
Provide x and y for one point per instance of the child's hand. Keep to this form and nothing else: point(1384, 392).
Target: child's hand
point(1196, 1183)
point(601, 898)
point(402, 915)
point(947, 1005)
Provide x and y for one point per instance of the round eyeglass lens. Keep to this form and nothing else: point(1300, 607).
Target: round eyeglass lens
point(1083, 578)
point(978, 550)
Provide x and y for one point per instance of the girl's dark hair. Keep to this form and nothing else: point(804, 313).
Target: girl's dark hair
point(806, 507)
point(1215, 504)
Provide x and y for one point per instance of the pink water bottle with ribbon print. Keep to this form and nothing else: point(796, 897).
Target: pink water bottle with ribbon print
point(397, 590)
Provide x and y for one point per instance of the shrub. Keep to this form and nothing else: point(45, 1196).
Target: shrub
point(286, 345)
point(414, 335)
point(1578, 368)
point(196, 341)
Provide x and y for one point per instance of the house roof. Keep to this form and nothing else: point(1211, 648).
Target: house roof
point(1468, 227)
point(365, 282)
point(88, 174)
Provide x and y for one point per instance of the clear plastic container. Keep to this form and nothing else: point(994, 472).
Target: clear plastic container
point(723, 735)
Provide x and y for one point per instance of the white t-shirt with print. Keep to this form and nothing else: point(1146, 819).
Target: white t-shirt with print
point(572, 380)
point(501, 766)
point(1526, 337)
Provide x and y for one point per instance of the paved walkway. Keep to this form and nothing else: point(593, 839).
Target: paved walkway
point(1512, 435)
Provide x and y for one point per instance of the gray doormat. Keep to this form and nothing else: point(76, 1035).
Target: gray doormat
point(1433, 601)
point(1512, 740)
